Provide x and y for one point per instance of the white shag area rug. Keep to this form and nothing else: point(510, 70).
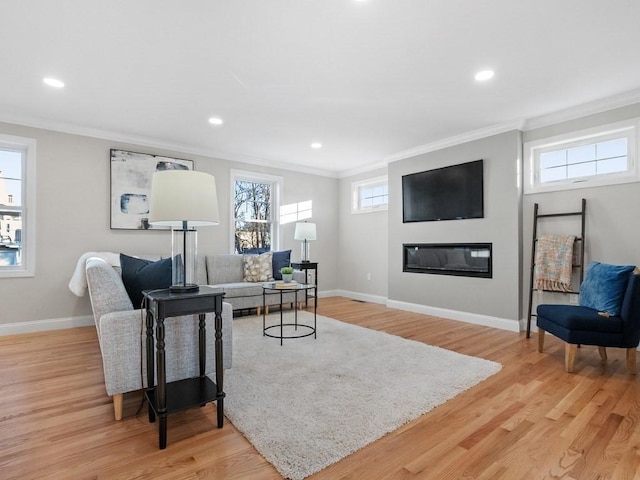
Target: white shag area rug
point(311, 402)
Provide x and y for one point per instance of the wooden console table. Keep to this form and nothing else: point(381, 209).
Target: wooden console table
point(167, 398)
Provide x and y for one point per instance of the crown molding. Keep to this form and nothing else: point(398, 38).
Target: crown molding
point(583, 110)
point(155, 143)
point(456, 140)
point(597, 106)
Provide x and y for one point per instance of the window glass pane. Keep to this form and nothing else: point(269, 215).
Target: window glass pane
point(581, 154)
point(553, 174)
point(581, 170)
point(612, 148)
point(10, 208)
point(252, 212)
point(553, 159)
point(612, 165)
point(253, 237)
point(378, 191)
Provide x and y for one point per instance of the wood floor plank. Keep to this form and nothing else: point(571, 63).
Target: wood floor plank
point(532, 420)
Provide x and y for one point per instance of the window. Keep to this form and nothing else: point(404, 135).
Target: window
point(255, 199)
point(17, 200)
point(589, 158)
point(370, 195)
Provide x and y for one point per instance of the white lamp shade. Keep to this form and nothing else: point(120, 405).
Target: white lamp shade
point(179, 196)
point(305, 231)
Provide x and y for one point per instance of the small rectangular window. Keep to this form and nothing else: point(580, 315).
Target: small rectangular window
point(370, 195)
point(601, 156)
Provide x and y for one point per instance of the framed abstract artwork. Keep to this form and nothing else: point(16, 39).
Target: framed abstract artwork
point(131, 175)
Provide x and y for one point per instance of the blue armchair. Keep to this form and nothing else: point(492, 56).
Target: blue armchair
point(584, 325)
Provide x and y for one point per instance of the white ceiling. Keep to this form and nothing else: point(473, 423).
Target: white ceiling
point(369, 80)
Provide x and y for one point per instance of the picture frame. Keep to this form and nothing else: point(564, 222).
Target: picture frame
point(131, 176)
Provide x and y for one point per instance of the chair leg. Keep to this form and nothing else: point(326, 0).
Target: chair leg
point(117, 405)
point(631, 360)
point(603, 353)
point(540, 340)
point(569, 356)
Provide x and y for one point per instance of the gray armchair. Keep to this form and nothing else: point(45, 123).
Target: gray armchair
point(121, 334)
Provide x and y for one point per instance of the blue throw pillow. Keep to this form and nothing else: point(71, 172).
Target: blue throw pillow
point(604, 286)
point(139, 274)
point(280, 259)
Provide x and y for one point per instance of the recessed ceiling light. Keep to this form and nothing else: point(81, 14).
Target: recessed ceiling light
point(53, 82)
point(316, 145)
point(484, 75)
point(215, 121)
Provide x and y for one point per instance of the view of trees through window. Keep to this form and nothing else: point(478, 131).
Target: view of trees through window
point(252, 216)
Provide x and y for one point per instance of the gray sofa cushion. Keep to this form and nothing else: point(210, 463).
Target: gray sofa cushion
point(240, 289)
point(224, 269)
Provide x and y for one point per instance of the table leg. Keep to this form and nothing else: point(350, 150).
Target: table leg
point(315, 311)
point(162, 383)
point(150, 365)
point(295, 310)
point(219, 374)
point(264, 310)
point(281, 326)
point(202, 348)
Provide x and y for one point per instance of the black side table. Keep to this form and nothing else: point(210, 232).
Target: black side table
point(167, 398)
point(306, 266)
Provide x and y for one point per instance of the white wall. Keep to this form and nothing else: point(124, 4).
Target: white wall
point(497, 298)
point(73, 191)
point(363, 246)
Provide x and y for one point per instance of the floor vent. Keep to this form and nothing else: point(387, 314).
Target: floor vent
point(359, 301)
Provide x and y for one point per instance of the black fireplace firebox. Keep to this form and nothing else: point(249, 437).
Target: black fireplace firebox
point(462, 259)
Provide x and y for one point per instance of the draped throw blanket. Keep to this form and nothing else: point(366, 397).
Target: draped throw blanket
point(554, 259)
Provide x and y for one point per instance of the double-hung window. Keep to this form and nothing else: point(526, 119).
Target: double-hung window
point(17, 203)
point(255, 203)
point(589, 158)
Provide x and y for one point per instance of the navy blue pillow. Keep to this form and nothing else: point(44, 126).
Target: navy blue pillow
point(604, 286)
point(280, 259)
point(139, 274)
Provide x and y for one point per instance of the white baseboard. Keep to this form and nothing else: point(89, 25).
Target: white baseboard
point(475, 318)
point(364, 297)
point(44, 325)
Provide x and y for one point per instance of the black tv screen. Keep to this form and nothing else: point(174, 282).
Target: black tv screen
point(448, 193)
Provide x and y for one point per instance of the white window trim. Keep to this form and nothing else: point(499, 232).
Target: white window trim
point(278, 183)
point(28, 145)
point(534, 148)
point(355, 195)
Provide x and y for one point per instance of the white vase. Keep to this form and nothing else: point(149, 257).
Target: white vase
point(287, 277)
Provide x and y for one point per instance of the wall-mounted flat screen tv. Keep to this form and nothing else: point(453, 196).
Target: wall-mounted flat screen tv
point(448, 193)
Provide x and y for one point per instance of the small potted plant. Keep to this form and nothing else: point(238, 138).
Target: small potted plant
point(287, 274)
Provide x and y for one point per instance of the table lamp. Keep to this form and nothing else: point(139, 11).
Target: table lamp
point(183, 200)
point(305, 231)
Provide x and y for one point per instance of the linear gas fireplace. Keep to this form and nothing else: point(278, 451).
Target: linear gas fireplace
point(463, 259)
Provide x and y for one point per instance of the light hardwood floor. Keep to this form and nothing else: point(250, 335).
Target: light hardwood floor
point(530, 421)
